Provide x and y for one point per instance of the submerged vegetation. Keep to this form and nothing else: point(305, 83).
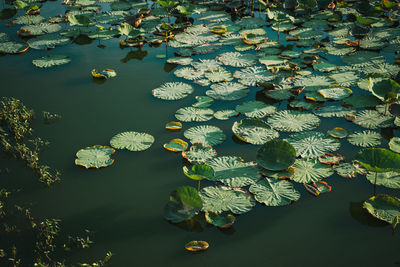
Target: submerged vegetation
point(329, 61)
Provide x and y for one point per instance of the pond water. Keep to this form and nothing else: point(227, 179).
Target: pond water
point(123, 204)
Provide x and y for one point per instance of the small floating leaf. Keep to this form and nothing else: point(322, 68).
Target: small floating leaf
point(176, 145)
point(199, 172)
point(173, 91)
point(254, 131)
point(173, 125)
point(50, 61)
point(218, 220)
point(105, 74)
point(195, 246)
point(205, 134)
point(199, 153)
point(273, 192)
point(95, 157)
point(132, 141)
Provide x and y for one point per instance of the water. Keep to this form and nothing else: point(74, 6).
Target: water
point(123, 204)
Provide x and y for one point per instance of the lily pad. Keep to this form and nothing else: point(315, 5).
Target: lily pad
point(387, 179)
point(206, 134)
point(173, 91)
point(199, 153)
point(183, 204)
point(394, 144)
point(236, 59)
point(225, 114)
point(199, 172)
point(383, 207)
point(276, 155)
point(252, 75)
point(254, 131)
point(273, 192)
point(365, 138)
point(195, 246)
point(312, 144)
point(338, 133)
point(228, 91)
point(50, 61)
point(220, 199)
point(189, 114)
point(255, 109)
point(293, 121)
point(218, 220)
point(176, 145)
point(95, 157)
point(372, 119)
point(308, 171)
point(378, 160)
point(132, 141)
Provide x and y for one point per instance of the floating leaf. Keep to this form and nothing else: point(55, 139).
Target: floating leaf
point(199, 172)
point(132, 141)
point(255, 109)
point(272, 61)
point(183, 204)
point(173, 91)
point(105, 74)
point(254, 131)
point(365, 138)
point(206, 134)
point(189, 114)
point(378, 160)
point(394, 144)
point(228, 91)
point(199, 153)
point(383, 207)
point(195, 246)
point(189, 73)
point(203, 102)
point(333, 111)
point(220, 199)
point(218, 220)
point(362, 101)
point(335, 93)
point(312, 144)
point(348, 170)
point(173, 125)
point(308, 171)
point(11, 47)
point(273, 192)
point(225, 114)
point(387, 179)
point(252, 75)
point(206, 65)
point(220, 75)
point(176, 145)
point(94, 157)
point(292, 121)
point(276, 155)
point(48, 41)
point(237, 59)
point(233, 172)
point(372, 119)
point(338, 133)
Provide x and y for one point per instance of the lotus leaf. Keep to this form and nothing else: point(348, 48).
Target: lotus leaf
point(220, 75)
point(250, 23)
point(199, 172)
point(276, 155)
point(347, 78)
point(183, 204)
point(173, 125)
point(189, 73)
point(372, 119)
point(176, 145)
point(272, 61)
point(193, 39)
point(50, 61)
point(308, 171)
point(348, 170)
point(385, 87)
point(103, 34)
point(237, 59)
point(225, 114)
point(220, 199)
point(39, 29)
point(255, 109)
point(313, 83)
point(189, 114)
point(80, 20)
point(273, 192)
point(48, 41)
point(199, 153)
point(365, 138)
point(394, 144)
point(203, 102)
point(383, 207)
point(335, 93)
point(206, 65)
point(132, 141)
point(206, 134)
point(105, 74)
point(180, 60)
point(290, 54)
point(228, 91)
point(233, 172)
point(218, 220)
point(324, 67)
point(196, 246)
point(338, 133)
point(330, 159)
point(362, 58)
point(94, 157)
point(173, 91)
point(362, 101)
point(252, 75)
point(333, 111)
point(29, 19)
point(387, 179)
point(302, 105)
point(11, 47)
point(312, 144)
point(254, 131)
point(292, 121)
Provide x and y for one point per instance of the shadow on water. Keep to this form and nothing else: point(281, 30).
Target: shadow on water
point(83, 39)
point(362, 216)
point(137, 54)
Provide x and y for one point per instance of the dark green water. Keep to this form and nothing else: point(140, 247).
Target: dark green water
point(123, 204)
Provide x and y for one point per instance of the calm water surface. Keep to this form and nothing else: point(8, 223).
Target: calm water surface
point(123, 204)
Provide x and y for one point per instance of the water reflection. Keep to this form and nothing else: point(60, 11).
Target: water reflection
point(387, 133)
point(99, 81)
point(361, 215)
point(138, 54)
point(238, 141)
point(83, 39)
point(7, 13)
point(168, 67)
point(195, 224)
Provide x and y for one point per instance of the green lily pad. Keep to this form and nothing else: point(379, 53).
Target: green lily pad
point(293, 121)
point(365, 138)
point(218, 220)
point(383, 207)
point(183, 204)
point(48, 41)
point(225, 114)
point(199, 172)
point(50, 61)
point(219, 75)
point(132, 141)
point(189, 114)
point(273, 192)
point(276, 155)
point(255, 109)
point(372, 119)
point(203, 102)
point(387, 179)
point(11, 47)
point(312, 144)
point(335, 93)
point(199, 153)
point(362, 101)
point(308, 171)
point(338, 133)
point(394, 144)
point(250, 76)
point(378, 159)
point(206, 134)
point(233, 172)
point(173, 91)
point(94, 157)
point(220, 199)
point(176, 145)
point(272, 61)
point(349, 170)
point(254, 131)
point(228, 91)
point(236, 59)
